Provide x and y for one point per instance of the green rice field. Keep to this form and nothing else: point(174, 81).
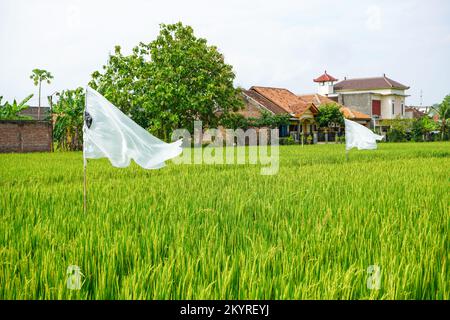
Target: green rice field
point(226, 231)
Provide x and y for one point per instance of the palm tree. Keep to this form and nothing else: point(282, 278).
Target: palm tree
point(39, 75)
point(442, 110)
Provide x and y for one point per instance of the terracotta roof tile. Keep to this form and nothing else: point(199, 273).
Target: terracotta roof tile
point(282, 97)
point(325, 77)
point(266, 103)
point(279, 100)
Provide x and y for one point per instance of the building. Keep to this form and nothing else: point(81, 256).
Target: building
point(378, 97)
point(348, 113)
point(414, 112)
point(282, 101)
point(301, 108)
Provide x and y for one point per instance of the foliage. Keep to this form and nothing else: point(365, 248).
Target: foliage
point(270, 120)
point(39, 75)
point(422, 127)
point(443, 112)
point(267, 119)
point(310, 232)
point(286, 141)
point(234, 121)
point(399, 128)
point(170, 82)
point(12, 111)
point(68, 113)
point(328, 115)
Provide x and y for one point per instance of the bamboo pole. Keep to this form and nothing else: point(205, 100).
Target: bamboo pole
point(84, 159)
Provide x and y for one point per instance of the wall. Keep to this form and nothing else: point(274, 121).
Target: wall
point(25, 136)
point(33, 112)
point(361, 102)
point(386, 106)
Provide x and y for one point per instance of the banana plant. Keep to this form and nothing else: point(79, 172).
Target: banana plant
point(11, 111)
point(68, 115)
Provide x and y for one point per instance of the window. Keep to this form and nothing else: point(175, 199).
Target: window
point(376, 107)
point(393, 107)
point(403, 109)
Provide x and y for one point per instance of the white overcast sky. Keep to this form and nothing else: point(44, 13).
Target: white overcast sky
point(277, 43)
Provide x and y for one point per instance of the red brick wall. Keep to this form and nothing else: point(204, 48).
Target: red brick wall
point(25, 136)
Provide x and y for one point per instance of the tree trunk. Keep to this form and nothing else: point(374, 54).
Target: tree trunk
point(39, 107)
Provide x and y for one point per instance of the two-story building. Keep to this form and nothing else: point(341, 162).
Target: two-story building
point(379, 97)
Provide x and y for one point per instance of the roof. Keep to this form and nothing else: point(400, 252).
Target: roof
point(348, 113)
point(279, 100)
point(416, 113)
point(369, 83)
point(317, 99)
point(325, 77)
point(266, 103)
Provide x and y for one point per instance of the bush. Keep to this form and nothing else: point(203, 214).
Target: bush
point(287, 141)
point(395, 135)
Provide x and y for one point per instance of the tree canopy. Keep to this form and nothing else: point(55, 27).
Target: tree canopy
point(170, 82)
point(39, 75)
point(329, 114)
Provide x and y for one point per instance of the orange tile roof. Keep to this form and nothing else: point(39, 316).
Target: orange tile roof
point(266, 103)
point(285, 99)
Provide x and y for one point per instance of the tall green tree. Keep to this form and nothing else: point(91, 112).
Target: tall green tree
point(442, 110)
point(170, 82)
point(39, 75)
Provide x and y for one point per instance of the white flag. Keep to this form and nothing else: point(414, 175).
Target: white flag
point(108, 133)
point(358, 136)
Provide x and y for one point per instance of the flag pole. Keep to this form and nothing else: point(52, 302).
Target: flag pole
point(84, 158)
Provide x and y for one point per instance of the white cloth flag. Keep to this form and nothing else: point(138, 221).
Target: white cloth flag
point(109, 133)
point(358, 136)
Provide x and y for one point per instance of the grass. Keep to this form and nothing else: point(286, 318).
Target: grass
point(227, 232)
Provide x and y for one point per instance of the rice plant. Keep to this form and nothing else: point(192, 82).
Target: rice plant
point(227, 232)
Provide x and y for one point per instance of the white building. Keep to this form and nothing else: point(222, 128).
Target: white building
point(379, 97)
